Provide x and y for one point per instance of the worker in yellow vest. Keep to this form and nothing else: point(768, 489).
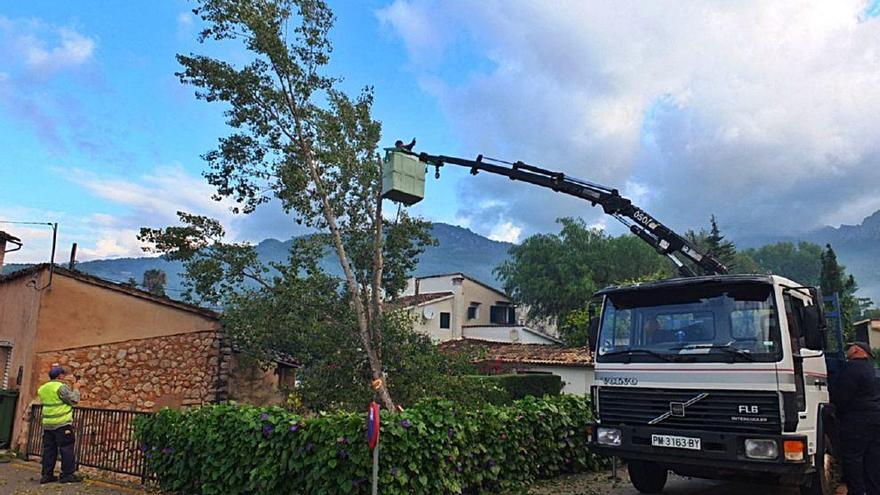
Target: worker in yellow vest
point(58, 400)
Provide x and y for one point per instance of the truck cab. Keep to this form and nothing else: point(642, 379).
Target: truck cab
point(715, 377)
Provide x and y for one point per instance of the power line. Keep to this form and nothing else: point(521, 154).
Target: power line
point(27, 223)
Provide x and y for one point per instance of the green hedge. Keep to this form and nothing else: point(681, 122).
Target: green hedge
point(502, 389)
point(435, 447)
point(523, 385)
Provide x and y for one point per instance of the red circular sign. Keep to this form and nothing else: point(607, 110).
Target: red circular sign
point(373, 425)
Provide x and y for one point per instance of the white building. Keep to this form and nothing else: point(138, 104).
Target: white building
point(454, 306)
point(460, 312)
point(868, 331)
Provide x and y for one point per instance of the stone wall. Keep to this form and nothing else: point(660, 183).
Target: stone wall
point(250, 384)
point(147, 374)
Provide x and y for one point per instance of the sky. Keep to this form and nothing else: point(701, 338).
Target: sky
point(766, 114)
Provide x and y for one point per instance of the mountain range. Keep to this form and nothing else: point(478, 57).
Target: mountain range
point(857, 247)
point(460, 250)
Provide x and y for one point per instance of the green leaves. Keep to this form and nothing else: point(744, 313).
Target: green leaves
point(299, 139)
point(556, 274)
point(446, 448)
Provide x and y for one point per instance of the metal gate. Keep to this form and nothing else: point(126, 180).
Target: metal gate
point(8, 399)
point(104, 439)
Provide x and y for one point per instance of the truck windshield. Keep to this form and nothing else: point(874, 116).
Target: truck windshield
point(704, 322)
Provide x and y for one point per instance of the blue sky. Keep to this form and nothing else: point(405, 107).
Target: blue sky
point(93, 132)
point(753, 111)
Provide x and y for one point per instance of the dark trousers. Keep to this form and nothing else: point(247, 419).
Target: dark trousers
point(54, 441)
point(860, 456)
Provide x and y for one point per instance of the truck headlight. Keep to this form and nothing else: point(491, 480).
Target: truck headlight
point(608, 436)
point(761, 448)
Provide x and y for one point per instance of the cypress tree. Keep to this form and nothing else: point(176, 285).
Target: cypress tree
point(719, 247)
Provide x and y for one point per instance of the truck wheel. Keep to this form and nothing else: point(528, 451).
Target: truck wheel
point(647, 476)
point(822, 481)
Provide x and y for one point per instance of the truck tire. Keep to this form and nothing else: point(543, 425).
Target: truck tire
point(647, 476)
point(822, 481)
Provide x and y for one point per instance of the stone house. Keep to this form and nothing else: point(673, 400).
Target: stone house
point(125, 348)
point(455, 306)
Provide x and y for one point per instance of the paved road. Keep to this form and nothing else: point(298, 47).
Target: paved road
point(683, 486)
point(23, 478)
point(601, 484)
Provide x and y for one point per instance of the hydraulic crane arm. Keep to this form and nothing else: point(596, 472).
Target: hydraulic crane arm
point(640, 223)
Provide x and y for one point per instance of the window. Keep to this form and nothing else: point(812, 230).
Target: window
point(5, 364)
point(502, 315)
point(444, 320)
point(473, 311)
point(793, 309)
point(697, 323)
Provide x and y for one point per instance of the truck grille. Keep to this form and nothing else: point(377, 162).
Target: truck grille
point(720, 410)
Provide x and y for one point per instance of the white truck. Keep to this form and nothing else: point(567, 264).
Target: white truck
point(708, 376)
point(716, 377)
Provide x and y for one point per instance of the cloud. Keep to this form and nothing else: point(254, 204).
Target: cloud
point(153, 200)
point(160, 193)
point(128, 203)
point(36, 47)
point(184, 19)
point(417, 26)
point(113, 244)
point(73, 49)
point(36, 60)
point(505, 232)
point(765, 114)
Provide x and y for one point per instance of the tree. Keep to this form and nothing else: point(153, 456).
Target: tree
point(555, 275)
point(154, 281)
point(299, 139)
point(801, 262)
point(722, 249)
point(834, 280)
point(715, 244)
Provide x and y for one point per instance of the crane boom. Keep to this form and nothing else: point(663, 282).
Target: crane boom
point(640, 223)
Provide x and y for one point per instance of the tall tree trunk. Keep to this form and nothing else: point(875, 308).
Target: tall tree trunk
point(376, 290)
point(364, 326)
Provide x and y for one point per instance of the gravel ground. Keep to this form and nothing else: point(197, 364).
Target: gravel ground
point(19, 477)
point(603, 484)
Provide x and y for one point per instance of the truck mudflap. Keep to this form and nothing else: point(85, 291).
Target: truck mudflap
point(720, 454)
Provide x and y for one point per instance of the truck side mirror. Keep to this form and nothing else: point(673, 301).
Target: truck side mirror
point(593, 310)
point(593, 334)
point(814, 336)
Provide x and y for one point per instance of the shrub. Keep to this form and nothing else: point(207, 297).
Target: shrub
point(474, 391)
point(435, 447)
point(535, 384)
point(502, 389)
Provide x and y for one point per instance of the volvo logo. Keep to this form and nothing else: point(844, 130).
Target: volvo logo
point(677, 409)
point(620, 380)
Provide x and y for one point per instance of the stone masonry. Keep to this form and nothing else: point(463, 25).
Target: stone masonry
point(148, 374)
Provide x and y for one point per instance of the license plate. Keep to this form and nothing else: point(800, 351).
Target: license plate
point(674, 442)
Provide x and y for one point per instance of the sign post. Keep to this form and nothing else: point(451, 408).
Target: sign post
point(373, 425)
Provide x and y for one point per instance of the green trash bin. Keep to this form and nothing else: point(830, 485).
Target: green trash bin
point(8, 399)
point(403, 177)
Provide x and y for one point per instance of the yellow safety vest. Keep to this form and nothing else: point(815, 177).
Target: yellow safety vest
point(55, 411)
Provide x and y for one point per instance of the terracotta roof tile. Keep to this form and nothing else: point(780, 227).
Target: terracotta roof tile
point(407, 301)
point(487, 351)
